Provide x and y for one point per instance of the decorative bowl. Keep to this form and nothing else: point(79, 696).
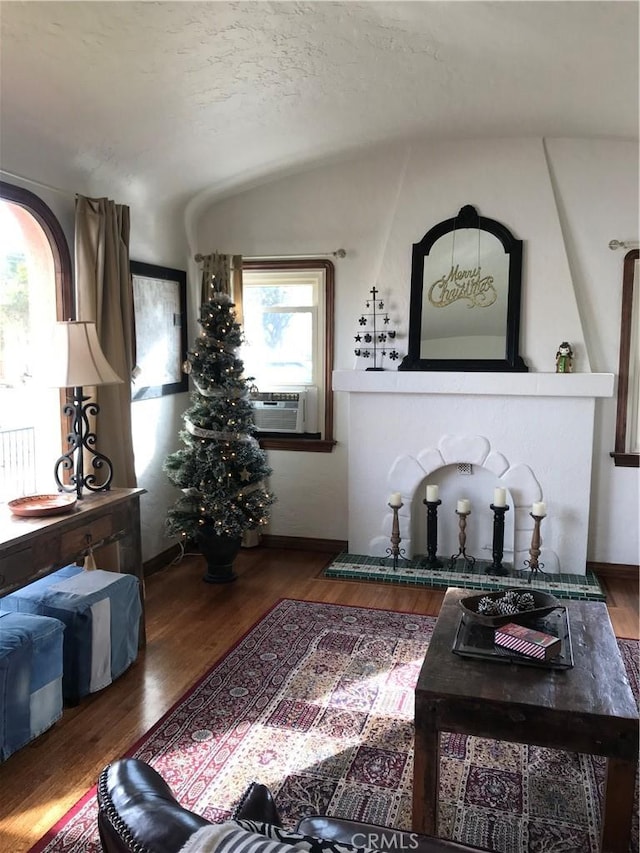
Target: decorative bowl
point(544, 604)
point(35, 506)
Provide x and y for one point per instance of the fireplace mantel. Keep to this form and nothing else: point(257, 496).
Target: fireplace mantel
point(531, 433)
point(450, 382)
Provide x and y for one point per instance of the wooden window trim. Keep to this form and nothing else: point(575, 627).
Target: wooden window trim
point(621, 456)
point(301, 443)
point(59, 248)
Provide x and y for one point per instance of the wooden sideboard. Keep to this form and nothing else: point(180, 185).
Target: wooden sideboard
point(31, 548)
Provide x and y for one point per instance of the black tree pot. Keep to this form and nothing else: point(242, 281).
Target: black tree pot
point(219, 551)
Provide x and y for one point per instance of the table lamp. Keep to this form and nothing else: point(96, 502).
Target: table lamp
point(76, 359)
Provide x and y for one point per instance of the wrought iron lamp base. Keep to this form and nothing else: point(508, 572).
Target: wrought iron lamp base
point(82, 439)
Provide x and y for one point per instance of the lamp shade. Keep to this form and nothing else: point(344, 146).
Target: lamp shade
point(76, 358)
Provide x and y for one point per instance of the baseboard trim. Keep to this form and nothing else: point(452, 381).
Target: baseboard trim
point(160, 561)
point(625, 571)
point(303, 543)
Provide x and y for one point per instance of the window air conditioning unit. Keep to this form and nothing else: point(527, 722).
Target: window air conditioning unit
point(285, 411)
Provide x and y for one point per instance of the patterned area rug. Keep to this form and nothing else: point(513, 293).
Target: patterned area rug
point(317, 702)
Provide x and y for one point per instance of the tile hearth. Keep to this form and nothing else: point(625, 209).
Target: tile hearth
point(380, 570)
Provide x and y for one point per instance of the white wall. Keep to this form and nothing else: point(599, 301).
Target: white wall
point(157, 237)
point(342, 205)
point(375, 206)
point(597, 189)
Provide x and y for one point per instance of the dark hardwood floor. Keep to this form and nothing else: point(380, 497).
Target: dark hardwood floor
point(190, 625)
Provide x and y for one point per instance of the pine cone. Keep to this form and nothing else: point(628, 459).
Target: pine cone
point(487, 606)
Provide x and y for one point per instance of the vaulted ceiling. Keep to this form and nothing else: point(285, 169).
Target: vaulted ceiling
point(166, 100)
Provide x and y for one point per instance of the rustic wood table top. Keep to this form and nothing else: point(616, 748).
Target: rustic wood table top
point(596, 686)
point(589, 708)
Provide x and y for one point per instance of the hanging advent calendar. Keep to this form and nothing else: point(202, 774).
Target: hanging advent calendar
point(375, 339)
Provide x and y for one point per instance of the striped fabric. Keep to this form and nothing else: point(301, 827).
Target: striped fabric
point(245, 836)
point(527, 641)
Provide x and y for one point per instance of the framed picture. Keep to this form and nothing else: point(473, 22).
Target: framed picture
point(160, 309)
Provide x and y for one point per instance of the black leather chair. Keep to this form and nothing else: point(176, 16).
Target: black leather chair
point(137, 813)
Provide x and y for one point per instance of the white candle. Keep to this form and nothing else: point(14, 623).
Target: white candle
point(499, 497)
point(395, 499)
point(432, 494)
point(539, 508)
point(464, 505)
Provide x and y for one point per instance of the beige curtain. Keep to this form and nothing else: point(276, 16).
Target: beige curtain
point(104, 295)
point(223, 273)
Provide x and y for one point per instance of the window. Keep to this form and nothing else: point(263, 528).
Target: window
point(35, 291)
point(627, 445)
point(287, 309)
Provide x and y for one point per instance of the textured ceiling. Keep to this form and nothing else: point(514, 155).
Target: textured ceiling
point(162, 101)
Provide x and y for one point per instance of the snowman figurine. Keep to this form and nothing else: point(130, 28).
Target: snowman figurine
point(564, 358)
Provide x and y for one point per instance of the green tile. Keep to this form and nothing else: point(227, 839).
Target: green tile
point(409, 572)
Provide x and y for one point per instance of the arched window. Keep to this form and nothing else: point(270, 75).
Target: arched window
point(35, 291)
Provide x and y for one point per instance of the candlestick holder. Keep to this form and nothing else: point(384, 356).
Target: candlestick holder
point(395, 551)
point(533, 565)
point(431, 561)
point(496, 567)
point(469, 561)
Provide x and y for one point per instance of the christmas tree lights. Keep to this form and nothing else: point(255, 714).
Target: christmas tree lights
point(221, 468)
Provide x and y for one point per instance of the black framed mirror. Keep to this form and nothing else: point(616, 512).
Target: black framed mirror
point(466, 278)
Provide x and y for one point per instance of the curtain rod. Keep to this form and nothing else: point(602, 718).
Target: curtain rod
point(339, 253)
point(40, 184)
point(623, 244)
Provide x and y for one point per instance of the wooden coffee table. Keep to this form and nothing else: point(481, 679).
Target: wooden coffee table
point(588, 709)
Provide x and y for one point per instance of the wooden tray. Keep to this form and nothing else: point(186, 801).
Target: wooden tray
point(474, 640)
point(544, 603)
point(35, 506)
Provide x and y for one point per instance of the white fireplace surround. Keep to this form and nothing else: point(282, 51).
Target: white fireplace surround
point(531, 433)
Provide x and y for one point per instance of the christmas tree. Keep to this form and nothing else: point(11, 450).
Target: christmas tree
point(221, 467)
